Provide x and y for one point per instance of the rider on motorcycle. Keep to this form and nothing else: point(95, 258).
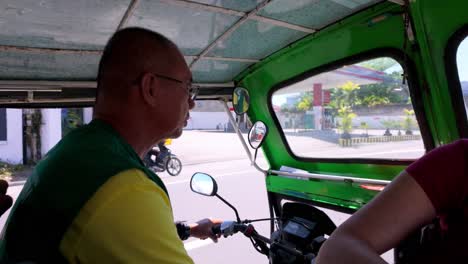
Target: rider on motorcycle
point(159, 154)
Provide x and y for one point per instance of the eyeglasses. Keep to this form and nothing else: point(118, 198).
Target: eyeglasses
point(191, 89)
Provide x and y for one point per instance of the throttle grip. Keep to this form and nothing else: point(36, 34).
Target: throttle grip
point(216, 229)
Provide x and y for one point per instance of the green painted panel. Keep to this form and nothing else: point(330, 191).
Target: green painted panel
point(313, 13)
point(433, 36)
point(357, 34)
point(255, 40)
point(336, 193)
point(191, 31)
point(353, 36)
point(67, 24)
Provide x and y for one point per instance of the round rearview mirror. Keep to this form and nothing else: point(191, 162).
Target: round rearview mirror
point(204, 184)
point(257, 134)
point(240, 100)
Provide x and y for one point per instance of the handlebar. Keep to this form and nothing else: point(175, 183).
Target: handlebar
point(229, 228)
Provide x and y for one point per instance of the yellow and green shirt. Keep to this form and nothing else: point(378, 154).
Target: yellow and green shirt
point(92, 200)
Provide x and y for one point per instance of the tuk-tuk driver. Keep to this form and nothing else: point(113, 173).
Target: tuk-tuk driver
point(91, 199)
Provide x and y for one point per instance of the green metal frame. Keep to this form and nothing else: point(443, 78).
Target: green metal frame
point(363, 32)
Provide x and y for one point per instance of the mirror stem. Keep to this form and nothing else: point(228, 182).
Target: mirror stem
point(255, 156)
point(230, 205)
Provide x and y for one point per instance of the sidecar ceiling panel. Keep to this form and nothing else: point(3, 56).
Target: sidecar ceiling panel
point(62, 40)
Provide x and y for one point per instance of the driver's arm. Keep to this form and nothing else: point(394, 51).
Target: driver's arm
point(380, 225)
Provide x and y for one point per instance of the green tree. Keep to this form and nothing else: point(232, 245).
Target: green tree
point(346, 125)
point(365, 126)
point(305, 102)
point(408, 121)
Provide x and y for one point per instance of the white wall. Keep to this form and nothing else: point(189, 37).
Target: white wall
point(206, 120)
point(87, 115)
point(51, 129)
point(12, 150)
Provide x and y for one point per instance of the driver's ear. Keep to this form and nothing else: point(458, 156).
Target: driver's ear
point(149, 88)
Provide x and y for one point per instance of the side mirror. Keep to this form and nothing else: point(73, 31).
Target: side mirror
point(204, 184)
point(240, 100)
point(257, 134)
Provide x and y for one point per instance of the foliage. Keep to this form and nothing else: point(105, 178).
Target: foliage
point(7, 170)
point(305, 103)
point(408, 122)
point(364, 126)
point(390, 124)
point(345, 95)
point(347, 116)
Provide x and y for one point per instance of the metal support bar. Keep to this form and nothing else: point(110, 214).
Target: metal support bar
point(205, 7)
point(230, 59)
point(128, 14)
point(241, 138)
point(53, 90)
point(228, 32)
point(329, 177)
point(222, 10)
point(6, 48)
point(32, 85)
point(31, 99)
point(216, 85)
point(398, 2)
point(282, 24)
point(239, 134)
point(19, 84)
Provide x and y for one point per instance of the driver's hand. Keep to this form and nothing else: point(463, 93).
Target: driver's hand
point(203, 229)
point(5, 200)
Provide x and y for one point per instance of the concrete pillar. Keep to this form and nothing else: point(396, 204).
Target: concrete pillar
point(87, 115)
point(51, 129)
point(318, 106)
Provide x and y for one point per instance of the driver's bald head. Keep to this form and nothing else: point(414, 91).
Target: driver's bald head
point(131, 52)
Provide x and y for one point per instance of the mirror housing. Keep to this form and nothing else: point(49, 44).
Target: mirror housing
point(240, 100)
point(203, 184)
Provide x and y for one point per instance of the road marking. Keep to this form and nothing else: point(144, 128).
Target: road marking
point(216, 177)
point(197, 244)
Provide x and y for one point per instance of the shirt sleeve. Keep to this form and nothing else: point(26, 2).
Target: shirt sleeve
point(129, 220)
point(440, 173)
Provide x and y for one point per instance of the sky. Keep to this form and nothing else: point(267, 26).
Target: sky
point(462, 60)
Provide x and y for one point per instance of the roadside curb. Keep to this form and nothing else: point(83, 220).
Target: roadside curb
point(16, 183)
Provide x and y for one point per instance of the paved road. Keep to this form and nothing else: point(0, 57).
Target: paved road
point(222, 156)
point(241, 185)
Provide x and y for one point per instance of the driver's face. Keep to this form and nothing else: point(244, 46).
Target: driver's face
point(176, 101)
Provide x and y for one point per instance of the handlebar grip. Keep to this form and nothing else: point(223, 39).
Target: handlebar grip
point(216, 229)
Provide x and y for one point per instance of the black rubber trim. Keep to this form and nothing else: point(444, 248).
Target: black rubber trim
point(415, 94)
point(453, 79)
point(278, 198)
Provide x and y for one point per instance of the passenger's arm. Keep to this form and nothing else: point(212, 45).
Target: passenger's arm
point(380, 225)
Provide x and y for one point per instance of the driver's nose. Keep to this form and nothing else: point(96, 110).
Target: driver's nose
point(191, 104)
